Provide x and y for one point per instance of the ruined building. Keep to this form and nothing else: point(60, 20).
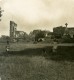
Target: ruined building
point(13, 29)
point(14, 33)
point(69, 31)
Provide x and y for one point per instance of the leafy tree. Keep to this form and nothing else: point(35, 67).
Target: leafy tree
point(41, 34)
point(33, 34)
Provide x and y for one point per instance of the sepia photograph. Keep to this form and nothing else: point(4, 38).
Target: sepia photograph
point(36, 39)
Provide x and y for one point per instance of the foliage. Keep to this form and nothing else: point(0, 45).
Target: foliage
point(68, 39)
point(41, 34)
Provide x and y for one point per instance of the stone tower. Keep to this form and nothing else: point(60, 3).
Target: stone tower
point(13, 29)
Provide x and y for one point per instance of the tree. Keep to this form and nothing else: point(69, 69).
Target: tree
point(41, 34)
point(1, 12)
point(33, 34)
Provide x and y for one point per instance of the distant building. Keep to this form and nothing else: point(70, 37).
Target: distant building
point(13, 29)
point(20, 34)
point(70, 32)
point(14, 33)
point(58, 32)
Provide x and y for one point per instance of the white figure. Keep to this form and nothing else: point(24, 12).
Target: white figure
point(55, 47)
point(7, 48)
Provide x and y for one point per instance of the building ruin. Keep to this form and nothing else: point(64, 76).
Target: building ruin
point(14, 33)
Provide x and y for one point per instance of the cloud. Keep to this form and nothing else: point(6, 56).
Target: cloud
point(33, 14)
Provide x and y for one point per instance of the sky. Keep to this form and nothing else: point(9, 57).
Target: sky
point(36, 14)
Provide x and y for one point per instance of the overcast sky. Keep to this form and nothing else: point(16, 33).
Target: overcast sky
point(36, 14)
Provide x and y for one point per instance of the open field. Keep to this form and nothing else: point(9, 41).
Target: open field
point(31, 63)
point(23, 46)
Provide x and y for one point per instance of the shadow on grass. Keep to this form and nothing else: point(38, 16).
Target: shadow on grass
point(62, 54)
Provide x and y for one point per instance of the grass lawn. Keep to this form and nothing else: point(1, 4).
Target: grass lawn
point(32, 63)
